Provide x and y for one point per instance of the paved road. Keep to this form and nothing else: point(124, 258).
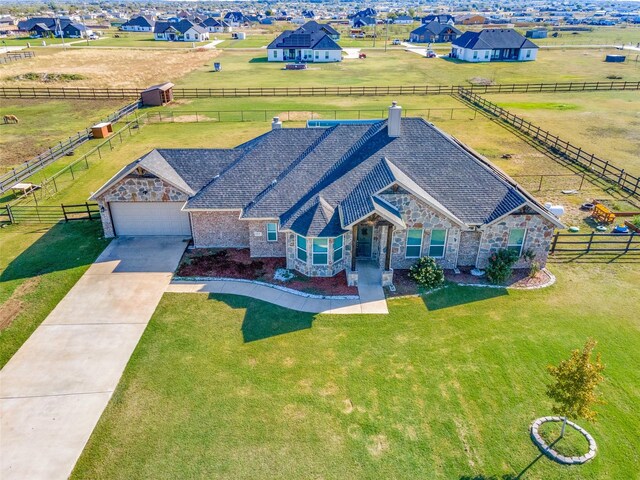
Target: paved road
point(54, 389)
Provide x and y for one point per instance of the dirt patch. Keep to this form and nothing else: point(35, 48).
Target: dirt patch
point(297, 116)
point(47, 77)
point(237, 263)
point(113, 68)
point(12, 307)
point(519, 279)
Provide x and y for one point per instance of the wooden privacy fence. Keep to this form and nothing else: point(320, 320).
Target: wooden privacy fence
point(28, 168)
point(84, 93)
point(575, 155)
point(595, 242)
point(30, 214)
point(15, 56)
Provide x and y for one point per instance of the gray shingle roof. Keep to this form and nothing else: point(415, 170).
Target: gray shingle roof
point(315, 40)
point(493, 38)
point(435, 28)
point(318, 181)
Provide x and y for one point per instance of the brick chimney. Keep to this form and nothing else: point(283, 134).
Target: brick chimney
point(395, 118)
point(276, 123)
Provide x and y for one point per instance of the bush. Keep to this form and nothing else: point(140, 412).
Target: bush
point(636, 221)
point(427, 273)
point(500, 265)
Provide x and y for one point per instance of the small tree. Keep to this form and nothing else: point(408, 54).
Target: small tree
point(574, 388)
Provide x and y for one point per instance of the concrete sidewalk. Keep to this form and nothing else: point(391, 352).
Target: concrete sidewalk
point(54, 389)
point(371, 297)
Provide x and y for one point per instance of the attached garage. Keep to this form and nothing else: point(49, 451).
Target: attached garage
point(149, 218)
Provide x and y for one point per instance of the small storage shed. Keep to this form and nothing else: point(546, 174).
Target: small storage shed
point(615, 58)
point(157, 95)
point(102, 130)
point(536, 34)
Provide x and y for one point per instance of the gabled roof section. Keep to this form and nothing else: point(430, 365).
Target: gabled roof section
point(436, 28)
point(317, 40)
point(320, 219)
point(488, 39)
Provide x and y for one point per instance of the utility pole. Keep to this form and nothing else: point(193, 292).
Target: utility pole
point(386, 34)
point(375, 25)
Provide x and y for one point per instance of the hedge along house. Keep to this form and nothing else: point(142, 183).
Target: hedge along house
point(387, 191)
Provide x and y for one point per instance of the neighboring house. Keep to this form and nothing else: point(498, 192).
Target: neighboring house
point(53, 27)
point(301, 46)
point(138, 24)
point(471, 19)
point(441, 18)
point(434, 32)
point(493, 45)
point(182, 31)
point(361, 22)
point(536, 34)
point(235, 19)
point(403, 20)
point(313, 27)
point(387, 191)
point(215, 25)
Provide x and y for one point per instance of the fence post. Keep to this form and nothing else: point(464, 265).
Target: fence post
point(10, 214)
point(88, 210)
point(590, 240)
point(629, 242)
point(555, 241)
point(64, 212)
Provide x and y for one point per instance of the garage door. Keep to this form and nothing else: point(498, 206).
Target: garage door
point(150, 218)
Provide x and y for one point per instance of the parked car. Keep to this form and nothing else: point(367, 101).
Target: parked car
point(93, 36)
point(396, 41)
point(431, 54)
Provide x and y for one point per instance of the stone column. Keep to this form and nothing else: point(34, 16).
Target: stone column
point(387, 256)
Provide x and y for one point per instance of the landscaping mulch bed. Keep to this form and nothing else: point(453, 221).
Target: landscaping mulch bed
point(237, 263)
point(519, 279)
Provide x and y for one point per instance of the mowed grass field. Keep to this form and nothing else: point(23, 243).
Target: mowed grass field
point(251, 69)
point(604, 123)
point(445, 386)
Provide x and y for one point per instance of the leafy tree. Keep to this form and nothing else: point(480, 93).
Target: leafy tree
point(575, 382)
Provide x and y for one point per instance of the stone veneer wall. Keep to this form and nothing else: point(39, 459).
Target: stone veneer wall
point(258, 243)
point(307, 268)
point(538, 238)
point(416, 214)
point(136, 188)
point(468, 250)
point(221, 229)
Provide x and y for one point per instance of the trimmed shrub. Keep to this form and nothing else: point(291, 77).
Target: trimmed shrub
point(500, 265)
point(427, 273)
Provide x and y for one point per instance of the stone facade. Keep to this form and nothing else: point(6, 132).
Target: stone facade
point(258, 243)
point(311, 270)
point(221, 229)
point(539, 233)
point(468, 250)
point(136, 188)
point(417, 214)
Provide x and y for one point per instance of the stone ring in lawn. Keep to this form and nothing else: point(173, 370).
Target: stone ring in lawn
point(553, 454)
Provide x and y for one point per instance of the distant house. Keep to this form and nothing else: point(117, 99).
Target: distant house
point(493, 45)
point(310, 45)
point(43, 27)
point(235, 19)
point(313, 26)
point(471, 19)
point(536, 34)
point(403, 20)
point(441, 18)
point(138, 24)
point(361, 22)
point(434, 32)
point(214, 25)
point(182, 31)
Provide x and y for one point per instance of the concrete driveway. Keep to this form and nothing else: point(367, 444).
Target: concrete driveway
point(54, 389)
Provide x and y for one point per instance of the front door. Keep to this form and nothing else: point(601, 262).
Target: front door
point(363, 241)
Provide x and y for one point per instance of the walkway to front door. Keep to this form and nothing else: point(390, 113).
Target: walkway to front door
point(370, 291)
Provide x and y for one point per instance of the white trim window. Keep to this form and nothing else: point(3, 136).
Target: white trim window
point(414, 243)
point(272, 232)
point(338, 248)
point(320, 251)
point(516, 240)
point(437, 243)
point(301, 248)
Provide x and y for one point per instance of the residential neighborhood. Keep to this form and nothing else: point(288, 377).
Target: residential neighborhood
point(329, 239)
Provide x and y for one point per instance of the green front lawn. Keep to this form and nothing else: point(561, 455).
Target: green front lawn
point(445, 386)
point(38, 266)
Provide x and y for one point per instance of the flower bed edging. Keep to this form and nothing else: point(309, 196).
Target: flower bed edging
point(554, 455)
point(264, 284)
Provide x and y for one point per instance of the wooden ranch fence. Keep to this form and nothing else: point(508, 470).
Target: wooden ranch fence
point(84, 93)
point(32, 214)
point(588, 161)
point(15, 56)
point(28, 168)
point(595, 242)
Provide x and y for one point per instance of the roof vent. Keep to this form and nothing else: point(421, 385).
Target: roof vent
point(276, 123)
point(395, 118)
